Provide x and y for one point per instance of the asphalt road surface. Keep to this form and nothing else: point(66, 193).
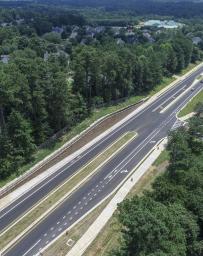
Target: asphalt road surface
point(151, 126)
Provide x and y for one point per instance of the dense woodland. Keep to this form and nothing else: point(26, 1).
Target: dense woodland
point(177, 8)
point(185, 8)
point(39, 96)
point(50, 81)
point(169, 220)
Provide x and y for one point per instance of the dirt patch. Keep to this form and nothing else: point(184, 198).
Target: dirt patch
point(91, 134)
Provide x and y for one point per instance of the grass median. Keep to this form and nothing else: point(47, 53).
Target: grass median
point(97, 113)
point(110, 236)
point(192, 105)
point(64, 190)
point(60, 247)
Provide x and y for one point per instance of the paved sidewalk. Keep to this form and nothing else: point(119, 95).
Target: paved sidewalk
point(188, 116)
point(85, 241)
point(27, 186)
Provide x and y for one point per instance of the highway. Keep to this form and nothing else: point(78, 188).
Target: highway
point(152, 124)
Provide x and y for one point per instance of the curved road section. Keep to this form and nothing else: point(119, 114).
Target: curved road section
point(151, 124)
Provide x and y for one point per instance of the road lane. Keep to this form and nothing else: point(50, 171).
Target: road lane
point(147, 122)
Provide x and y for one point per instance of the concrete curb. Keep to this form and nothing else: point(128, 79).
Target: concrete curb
point(57, 152)
point(34, 169)
point(75, 174)
point(51, 209)
point(138, 167)
point(103, 200)
point(180, 96)
point(184, 118)
point(139, 109)
point(84, 242)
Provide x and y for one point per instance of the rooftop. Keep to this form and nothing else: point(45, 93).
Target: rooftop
point(163, 24)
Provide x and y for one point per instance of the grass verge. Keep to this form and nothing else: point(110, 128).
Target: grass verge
point(110, 237)
point(191, 106)
point(163, 157)
point(190, 66)
point(63, 190)
point(97, 113)
point(60, 247)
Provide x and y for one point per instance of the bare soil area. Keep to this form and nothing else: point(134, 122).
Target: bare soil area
point(91, 134)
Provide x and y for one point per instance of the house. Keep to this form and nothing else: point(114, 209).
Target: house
point(116, 30)
point(19, 21)
point(6, 24)
point(4, 59)
point(73, 35)
point(148, 37)
point(168, 24)
point(83, 41)
point(57, 54)
point(130, 33)
point(99, 29)
point(74, 32)
point(46, 56)
point(75, 29)
point(131, 39)
point(58, 30)
point(90, 31)
point(196, 40)
point(119, 41)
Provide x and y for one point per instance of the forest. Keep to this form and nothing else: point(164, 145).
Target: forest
point(184, 9)
point(169, 219)
point(58, 66)
point(49, 83)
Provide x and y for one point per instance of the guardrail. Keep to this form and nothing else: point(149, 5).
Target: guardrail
point(16, 182)
point(10, 186)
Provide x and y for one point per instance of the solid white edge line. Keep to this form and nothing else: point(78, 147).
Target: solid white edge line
point(36, 222)
point(159, 94)
point(31, 247)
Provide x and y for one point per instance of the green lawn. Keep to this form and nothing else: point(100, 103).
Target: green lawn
point(98, 113)
point(164, 156)
point(65, 189)
point(191, 106)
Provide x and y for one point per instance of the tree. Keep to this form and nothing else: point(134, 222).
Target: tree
point(58, 102)
point(20, 134)
point(151, 228)
point(180, 152)
point(170, 59)
point(6, 160)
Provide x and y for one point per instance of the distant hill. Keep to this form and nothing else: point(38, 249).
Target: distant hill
point(174, 8)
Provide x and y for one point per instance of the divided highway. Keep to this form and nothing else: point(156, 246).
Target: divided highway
point(151, 124)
